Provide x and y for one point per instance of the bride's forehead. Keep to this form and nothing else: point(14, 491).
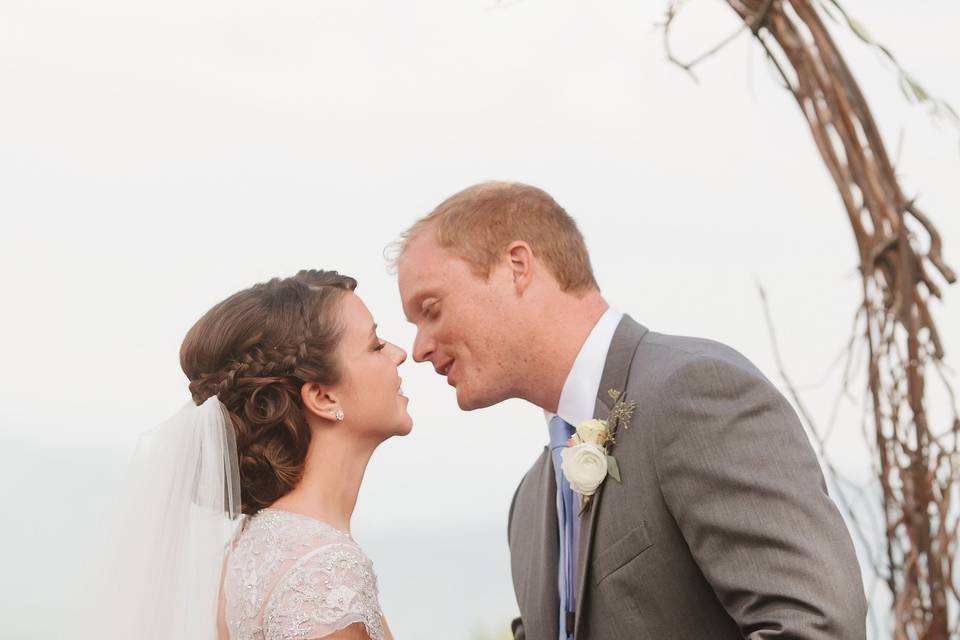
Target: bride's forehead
point(350, 303)
point(355, 315)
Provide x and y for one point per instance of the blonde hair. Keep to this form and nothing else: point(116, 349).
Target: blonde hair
point(479, 222)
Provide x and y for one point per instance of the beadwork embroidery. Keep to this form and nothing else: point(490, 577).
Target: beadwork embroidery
point(290, 577)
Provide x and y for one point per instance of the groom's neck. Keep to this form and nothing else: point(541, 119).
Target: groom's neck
point(563, 323)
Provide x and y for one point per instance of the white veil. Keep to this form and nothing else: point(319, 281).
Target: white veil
point(178, 514)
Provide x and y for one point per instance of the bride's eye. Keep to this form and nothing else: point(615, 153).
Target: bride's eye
point(380, 346)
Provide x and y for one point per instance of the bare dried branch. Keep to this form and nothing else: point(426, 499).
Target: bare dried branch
point(917, 464)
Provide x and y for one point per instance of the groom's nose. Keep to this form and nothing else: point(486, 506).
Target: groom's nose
point(422, 347)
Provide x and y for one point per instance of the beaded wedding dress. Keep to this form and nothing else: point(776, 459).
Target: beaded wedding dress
point(291, 577)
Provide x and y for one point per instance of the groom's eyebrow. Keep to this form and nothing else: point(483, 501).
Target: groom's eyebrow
point(416, 302)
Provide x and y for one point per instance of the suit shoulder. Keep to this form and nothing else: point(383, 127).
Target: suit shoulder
point(535, 471)
point(663, 356)
point(523, 486)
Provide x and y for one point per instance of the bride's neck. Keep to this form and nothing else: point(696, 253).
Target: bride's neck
point(331, 480)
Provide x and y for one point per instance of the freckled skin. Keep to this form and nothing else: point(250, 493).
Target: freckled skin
point(464, 319)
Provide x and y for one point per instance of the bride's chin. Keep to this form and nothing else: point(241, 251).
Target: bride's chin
point(405, 427)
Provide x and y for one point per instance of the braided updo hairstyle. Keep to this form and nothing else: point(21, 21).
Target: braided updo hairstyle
point(254, 351)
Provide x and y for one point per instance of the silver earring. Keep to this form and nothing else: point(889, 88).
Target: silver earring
point(338, 414)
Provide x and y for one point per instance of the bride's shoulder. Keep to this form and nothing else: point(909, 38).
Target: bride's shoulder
point(280, 546)
point(307, 579)
point(289, 531)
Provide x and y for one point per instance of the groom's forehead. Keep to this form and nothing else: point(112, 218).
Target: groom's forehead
point(413, 284)
point(423, 250)
point(421, 264)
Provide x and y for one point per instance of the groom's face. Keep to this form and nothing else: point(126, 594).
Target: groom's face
point(463, 321)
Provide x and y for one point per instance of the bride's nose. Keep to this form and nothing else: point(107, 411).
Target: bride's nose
point(399, 355)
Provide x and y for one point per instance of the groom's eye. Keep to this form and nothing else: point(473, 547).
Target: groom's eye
point(380, 346)
point(428, 307)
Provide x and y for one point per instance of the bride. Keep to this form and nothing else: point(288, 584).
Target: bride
point(292, 392)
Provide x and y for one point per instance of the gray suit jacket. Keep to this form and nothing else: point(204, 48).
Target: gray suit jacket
point(721, 526)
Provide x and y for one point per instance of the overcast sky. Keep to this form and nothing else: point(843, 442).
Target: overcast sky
point(157, 157)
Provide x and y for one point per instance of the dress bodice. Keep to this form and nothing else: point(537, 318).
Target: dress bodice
point(291, 577)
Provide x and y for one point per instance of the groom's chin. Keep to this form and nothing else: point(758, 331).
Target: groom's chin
point(468, 402)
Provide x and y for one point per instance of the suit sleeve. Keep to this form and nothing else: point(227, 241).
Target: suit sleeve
point(743, 484)
point(516, 625)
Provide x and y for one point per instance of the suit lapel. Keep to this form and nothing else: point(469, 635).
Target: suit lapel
point(549, 552)
point(534, 555)
point(616, 371)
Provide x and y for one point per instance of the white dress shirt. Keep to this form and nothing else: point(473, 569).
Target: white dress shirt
point(579, 394)
point(577, 400)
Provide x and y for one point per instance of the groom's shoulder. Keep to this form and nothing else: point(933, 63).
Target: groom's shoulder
point(660, 356)
point(530, 482)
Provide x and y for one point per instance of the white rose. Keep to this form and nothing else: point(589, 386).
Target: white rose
point(585, 466)
point(592, 432)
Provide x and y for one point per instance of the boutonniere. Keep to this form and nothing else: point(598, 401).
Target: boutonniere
point(587, 461)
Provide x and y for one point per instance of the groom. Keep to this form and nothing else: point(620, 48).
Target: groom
point(719, 525)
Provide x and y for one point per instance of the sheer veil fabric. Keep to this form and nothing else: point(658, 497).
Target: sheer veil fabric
point(179, 510)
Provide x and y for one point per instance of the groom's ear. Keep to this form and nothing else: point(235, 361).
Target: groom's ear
point(520, 261)
point(319, 401)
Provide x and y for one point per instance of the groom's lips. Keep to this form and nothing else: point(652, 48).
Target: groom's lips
point(445, 370)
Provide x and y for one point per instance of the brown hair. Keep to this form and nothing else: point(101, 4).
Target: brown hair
point(254, 351)
point(480, 221)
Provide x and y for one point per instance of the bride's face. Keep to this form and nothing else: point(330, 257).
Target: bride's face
point(369, 393)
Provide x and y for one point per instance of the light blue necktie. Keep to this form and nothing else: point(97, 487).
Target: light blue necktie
point(560, 432)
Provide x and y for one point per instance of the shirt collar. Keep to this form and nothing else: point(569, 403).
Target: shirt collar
point(579, 395)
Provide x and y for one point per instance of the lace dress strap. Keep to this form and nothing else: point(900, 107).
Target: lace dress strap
point(328, 589)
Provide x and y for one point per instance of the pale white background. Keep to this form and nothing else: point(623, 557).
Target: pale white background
point(156, 157)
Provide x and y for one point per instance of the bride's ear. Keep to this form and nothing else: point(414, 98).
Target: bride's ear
point(320, 402)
